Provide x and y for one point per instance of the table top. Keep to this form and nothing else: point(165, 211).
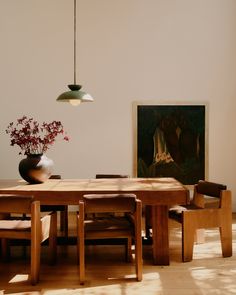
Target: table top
point(69, 191)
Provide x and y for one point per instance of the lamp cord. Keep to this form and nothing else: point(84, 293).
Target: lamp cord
point(74, 41)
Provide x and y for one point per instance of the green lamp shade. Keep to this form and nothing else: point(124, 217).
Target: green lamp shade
point(75, 96)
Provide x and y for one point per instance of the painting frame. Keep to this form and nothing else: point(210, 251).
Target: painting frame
point(186, 162)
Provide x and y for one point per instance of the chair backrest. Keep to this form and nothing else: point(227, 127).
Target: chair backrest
point(210, 189)
point(111, 176)
point(16, 204)
point(100, 203)
point(22, 205)
point(55, 176)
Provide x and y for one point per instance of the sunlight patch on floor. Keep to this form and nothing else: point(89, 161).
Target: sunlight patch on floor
point(19, 278)
point(206, 278)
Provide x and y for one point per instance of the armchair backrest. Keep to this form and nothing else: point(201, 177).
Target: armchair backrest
point(210, 189)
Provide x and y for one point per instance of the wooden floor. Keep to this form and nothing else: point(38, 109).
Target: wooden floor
point(108, 273)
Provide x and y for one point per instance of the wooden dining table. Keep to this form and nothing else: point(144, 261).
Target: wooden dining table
point(160, 193)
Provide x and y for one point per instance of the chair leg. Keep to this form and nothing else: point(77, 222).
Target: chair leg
point(64, 221)
point(81, 252)
point(128, 250)
point(35, 259)
point(226, 239)
point(138, 258)
point(53, 238)
point(5, 245)
point(81, 261)
point(138, 243)
point(187, 238)
point(148, 220)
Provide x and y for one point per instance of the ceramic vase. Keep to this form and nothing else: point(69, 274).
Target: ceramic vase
point(36, 168)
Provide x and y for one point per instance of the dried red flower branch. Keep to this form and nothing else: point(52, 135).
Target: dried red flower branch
point(33, 138)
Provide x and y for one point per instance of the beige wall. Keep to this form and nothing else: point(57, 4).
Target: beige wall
point(128, 50)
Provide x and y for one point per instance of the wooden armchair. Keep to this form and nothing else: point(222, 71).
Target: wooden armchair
point(127, 226)
point(35, 229)
point(199, 216)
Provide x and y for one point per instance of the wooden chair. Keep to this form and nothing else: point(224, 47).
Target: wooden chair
point(63, 209)
point(199, 216)
point(35, 229)
point(127, 226)
point(146, 209)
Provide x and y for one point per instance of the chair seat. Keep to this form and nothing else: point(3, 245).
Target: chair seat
point(175, 212)
point(15, 225)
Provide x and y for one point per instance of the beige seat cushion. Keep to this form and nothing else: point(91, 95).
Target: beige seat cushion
point(15, 224)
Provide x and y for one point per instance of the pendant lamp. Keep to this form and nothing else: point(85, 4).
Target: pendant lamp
point(75, 96)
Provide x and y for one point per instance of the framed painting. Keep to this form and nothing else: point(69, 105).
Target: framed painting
point(170, 141)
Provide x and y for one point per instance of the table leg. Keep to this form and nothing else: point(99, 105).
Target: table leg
point(160, 235)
